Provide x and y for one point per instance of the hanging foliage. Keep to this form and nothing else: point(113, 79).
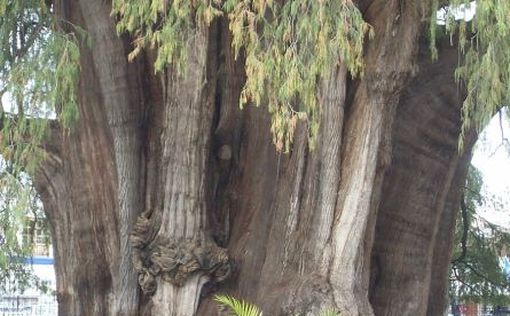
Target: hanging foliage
point(484, 66)
point(165, 25)
point(288, 47)
point(476, 274)
point(39, 66)
point(20, 216)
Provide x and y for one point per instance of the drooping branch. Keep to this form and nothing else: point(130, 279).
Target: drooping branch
point(465, 230)
point(28, 43)
point(484, 277)
point(464, 283)
point(504, 140)
point(38, 134)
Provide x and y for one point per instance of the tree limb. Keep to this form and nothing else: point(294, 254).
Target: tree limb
point(50, 142)
point(459, 279)
point(465, 230)
point(24, 49)
point(486, 278)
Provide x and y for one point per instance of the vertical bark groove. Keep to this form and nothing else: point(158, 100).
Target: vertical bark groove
point(362, 166)
point(420, 191)
point(123, 105)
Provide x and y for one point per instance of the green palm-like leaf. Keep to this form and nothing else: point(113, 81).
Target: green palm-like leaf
point(329, 312)
point(238, 307)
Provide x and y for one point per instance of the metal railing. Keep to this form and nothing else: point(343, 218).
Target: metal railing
point(28, 306)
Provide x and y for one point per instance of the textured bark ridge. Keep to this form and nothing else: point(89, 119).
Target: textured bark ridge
point(301, 222)
point(422, 191)
point(166, 193)
point(90, 186)
point(174, 261)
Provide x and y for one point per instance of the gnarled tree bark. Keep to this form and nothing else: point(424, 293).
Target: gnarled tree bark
point(166, 193)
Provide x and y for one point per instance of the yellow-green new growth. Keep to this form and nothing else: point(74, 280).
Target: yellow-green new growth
point(485, 60)
point(288, 48)
point(165, 25)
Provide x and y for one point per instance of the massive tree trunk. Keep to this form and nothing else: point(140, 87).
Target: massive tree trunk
point(422, 190)
point(166, 193)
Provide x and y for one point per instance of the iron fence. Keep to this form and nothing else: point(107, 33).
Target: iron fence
point(28, 306)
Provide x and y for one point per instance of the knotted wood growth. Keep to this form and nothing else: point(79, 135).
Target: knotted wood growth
point(174, 261)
